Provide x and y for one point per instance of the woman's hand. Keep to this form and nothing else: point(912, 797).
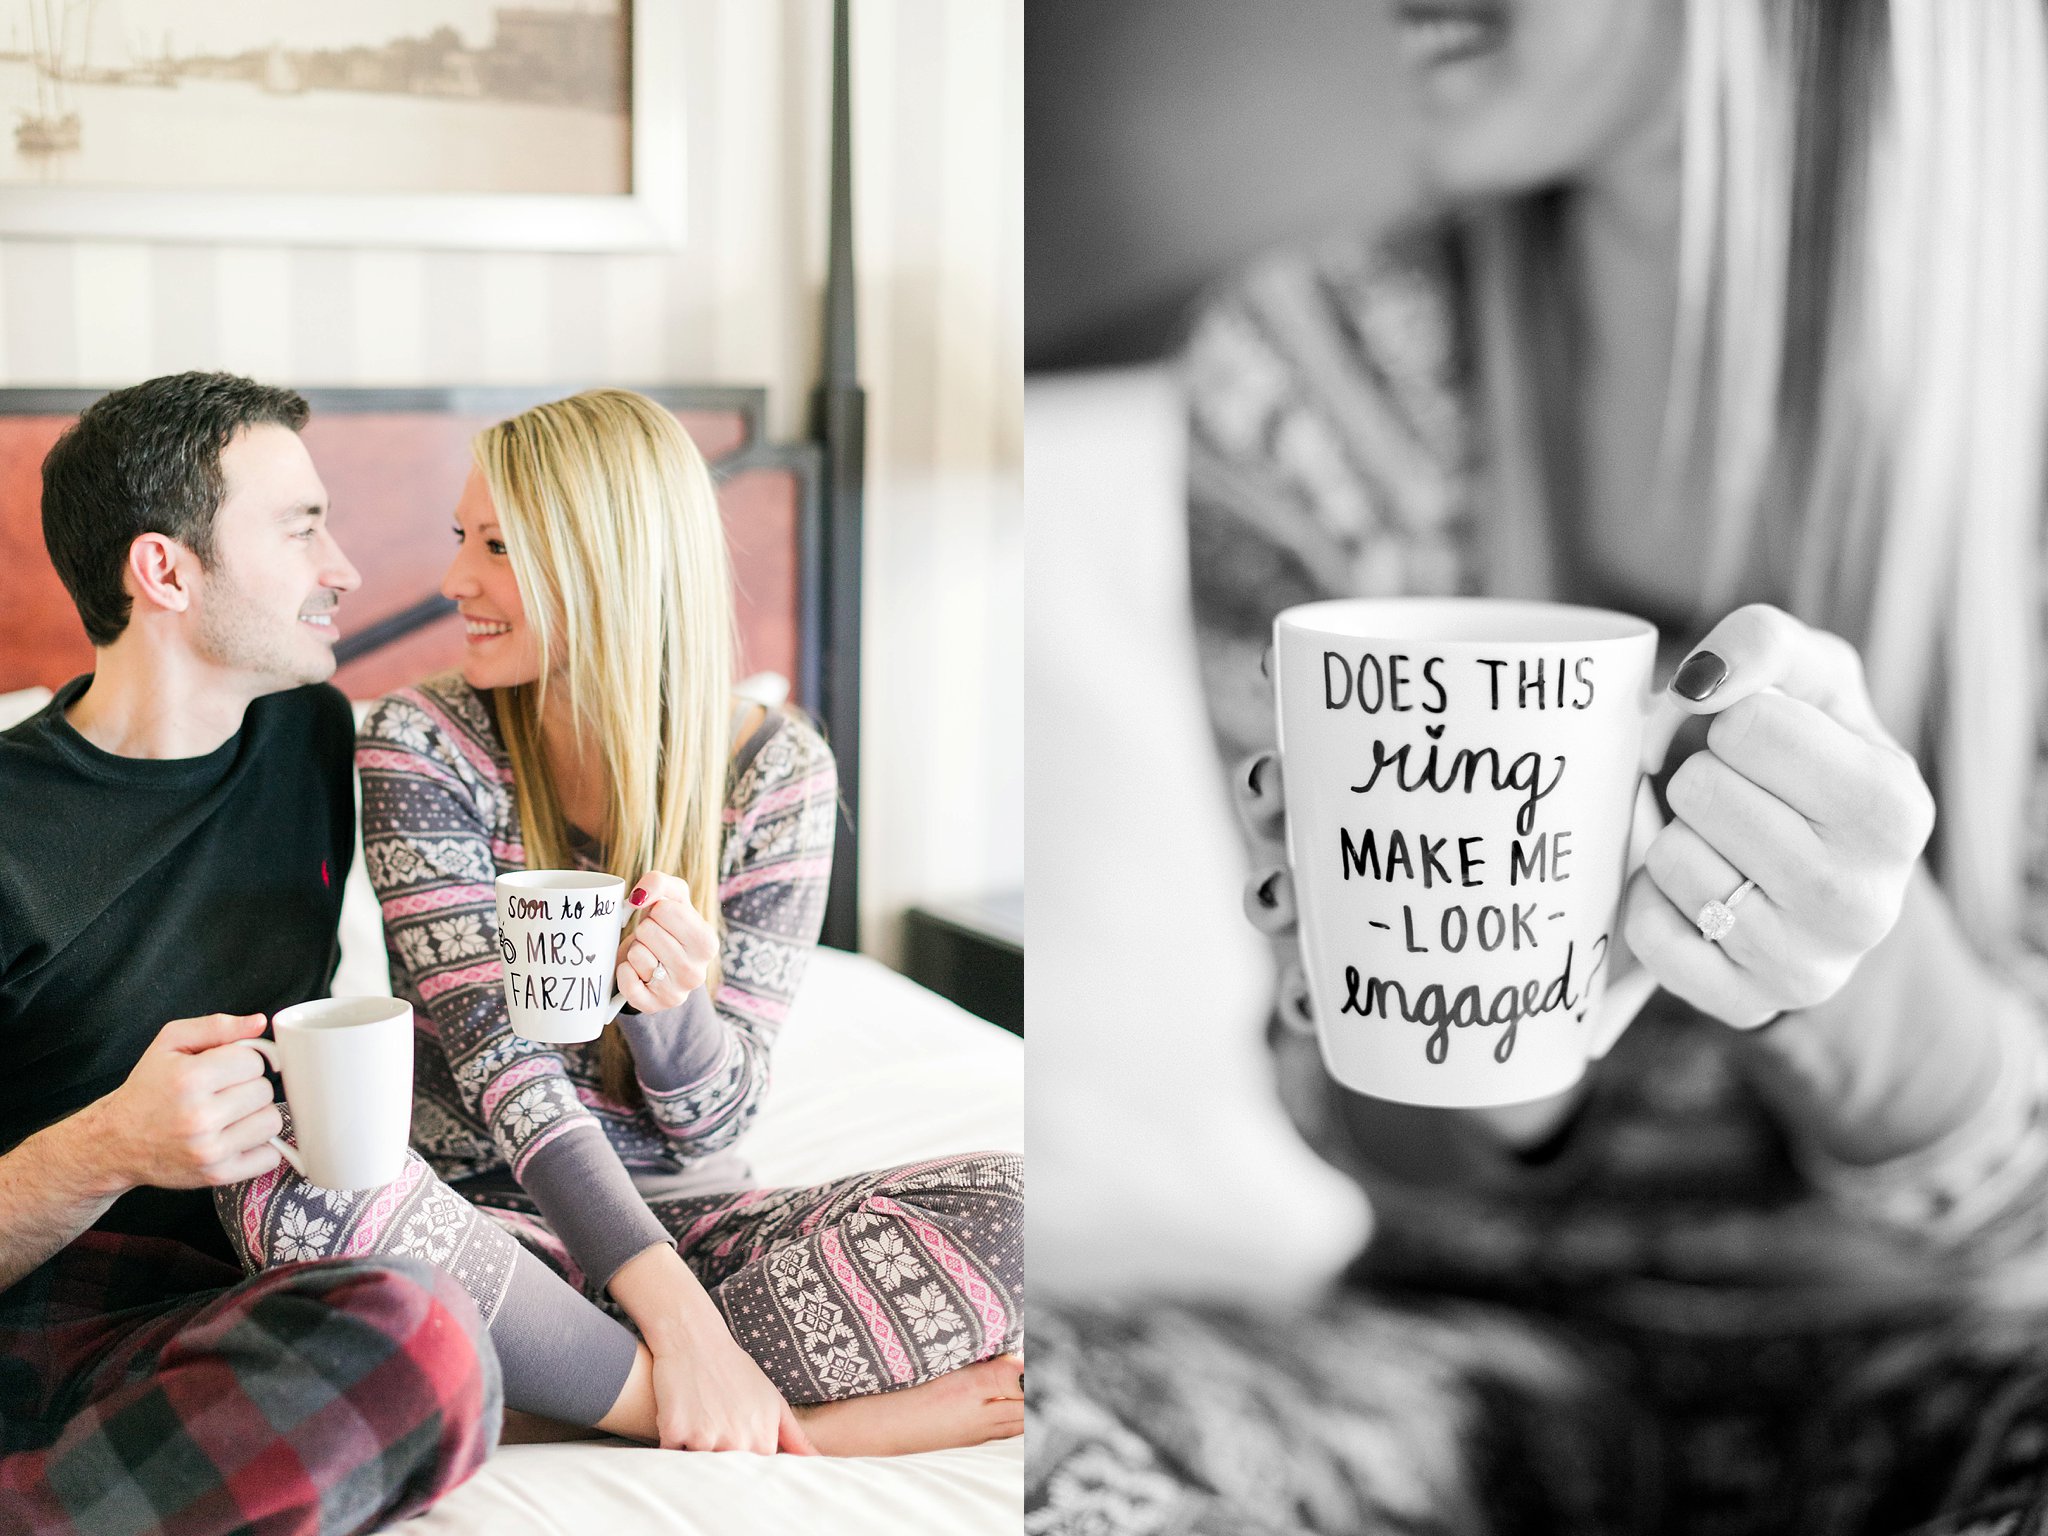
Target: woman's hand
point(1261, 804)
point(667, 955)
point(709, 1395)
point(1800, 790)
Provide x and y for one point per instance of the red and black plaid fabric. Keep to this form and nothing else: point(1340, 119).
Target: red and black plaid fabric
point(146, 1388)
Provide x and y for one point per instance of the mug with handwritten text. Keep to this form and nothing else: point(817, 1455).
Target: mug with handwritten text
point(1462, 776)
point(558, 934)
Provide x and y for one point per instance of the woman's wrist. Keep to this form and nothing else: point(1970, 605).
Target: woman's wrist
point(1901, 1055)
point(668, 1304)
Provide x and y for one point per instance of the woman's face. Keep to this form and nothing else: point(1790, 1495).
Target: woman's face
point(1519, 94)
point(500, 650)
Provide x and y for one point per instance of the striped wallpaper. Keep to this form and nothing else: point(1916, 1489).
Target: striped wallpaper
point(938, 128)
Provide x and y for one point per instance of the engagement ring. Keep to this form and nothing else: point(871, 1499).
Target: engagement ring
point(659, 973)
point(1717, 918)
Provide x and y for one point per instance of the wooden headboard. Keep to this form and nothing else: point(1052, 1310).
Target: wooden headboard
point(394, 461)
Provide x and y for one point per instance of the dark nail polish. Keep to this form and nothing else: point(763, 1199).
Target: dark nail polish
point(638, 896)
point(1251, 777)
point(1297, 1013)
point(1266, 662)
point(1702, 673)
point(1268, 890)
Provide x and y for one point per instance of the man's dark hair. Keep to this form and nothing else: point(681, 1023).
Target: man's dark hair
point(145, 460)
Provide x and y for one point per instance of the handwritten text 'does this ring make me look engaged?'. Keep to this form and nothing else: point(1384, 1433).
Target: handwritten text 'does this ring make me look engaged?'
point(1525, 861)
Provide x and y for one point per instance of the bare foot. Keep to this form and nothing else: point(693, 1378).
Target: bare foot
point(983, 1401)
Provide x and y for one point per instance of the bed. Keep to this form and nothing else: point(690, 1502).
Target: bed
point(870, 1069)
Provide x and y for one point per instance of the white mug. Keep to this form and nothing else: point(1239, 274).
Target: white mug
point(1463, 779)
point(558, 934)
point(347, 1069)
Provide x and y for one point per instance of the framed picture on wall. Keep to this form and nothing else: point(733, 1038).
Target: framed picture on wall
point(479, 124)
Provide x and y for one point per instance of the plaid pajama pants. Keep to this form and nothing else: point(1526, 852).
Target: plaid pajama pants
point(147, 1388)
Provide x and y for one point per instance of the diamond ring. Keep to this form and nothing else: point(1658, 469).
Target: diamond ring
point(1717, 918)
point(660, 972)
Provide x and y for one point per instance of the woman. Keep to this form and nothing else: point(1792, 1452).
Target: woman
point(593, 726)
point(1739, 306)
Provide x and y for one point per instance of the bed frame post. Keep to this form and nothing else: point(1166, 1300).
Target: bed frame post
point(839, 423)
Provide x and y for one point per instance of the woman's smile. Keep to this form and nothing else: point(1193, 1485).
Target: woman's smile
point(1434, 32)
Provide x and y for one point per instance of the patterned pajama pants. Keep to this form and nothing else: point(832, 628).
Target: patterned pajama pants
point(1377, 1413)
point(148, 1388)
point(859, 1285)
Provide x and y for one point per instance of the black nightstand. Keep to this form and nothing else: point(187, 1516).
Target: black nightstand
point(972, 952)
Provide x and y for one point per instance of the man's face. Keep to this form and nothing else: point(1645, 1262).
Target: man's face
point(266, 609)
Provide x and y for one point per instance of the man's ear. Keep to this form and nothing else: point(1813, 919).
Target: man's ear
point(160, 572)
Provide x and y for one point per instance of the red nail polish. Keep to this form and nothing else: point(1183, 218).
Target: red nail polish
point(638, 895)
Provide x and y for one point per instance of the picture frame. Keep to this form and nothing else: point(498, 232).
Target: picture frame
point(649, 217)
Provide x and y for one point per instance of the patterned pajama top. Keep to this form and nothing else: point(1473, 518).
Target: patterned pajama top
point(1336, 450)
point(440, 823)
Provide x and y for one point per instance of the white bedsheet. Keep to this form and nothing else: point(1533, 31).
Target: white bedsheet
point(871, 1069)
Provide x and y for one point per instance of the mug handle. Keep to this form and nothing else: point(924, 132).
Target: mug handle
point(267, 1049)
point(1628, 994)
point(618, 999)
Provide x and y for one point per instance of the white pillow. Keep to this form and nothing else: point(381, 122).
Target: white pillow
point(17, 707)
point(365, 969)
point(1159, 1153)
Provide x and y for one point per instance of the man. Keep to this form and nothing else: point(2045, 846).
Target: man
point(175, 830)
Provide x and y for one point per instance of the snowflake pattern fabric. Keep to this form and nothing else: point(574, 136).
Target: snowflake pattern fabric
point(280, 1218)
point(858, 1285)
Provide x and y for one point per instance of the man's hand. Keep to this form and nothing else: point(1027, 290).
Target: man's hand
point(196, 1111)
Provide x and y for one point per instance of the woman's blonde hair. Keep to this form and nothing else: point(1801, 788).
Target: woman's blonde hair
point(1861, 363)
point(614, 535)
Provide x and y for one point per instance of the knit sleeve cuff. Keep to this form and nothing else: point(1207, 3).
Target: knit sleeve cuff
point(678, 1046)
point(1962, 1181)
point(588, 1198)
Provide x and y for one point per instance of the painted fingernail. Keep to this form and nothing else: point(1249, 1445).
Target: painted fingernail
point(1251, 777)
point(1268, 890)
point(1295, 1012)
point(638, 896)
point(1702, 673)
point(1266, 662)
